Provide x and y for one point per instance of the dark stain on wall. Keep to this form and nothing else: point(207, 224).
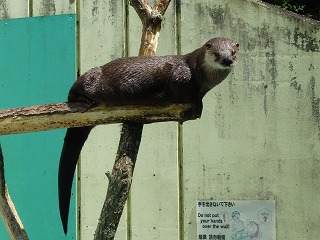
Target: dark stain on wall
point(315, 103)
point(294, 84)
point(265, 37)
point(218, 16)
point(4, 9)
point(216, 13)
point(271, 67)
point(94, 10)
point(47, 8)
point(113, 6)
point(247, 42)
point(305, 42)
point(98, 7)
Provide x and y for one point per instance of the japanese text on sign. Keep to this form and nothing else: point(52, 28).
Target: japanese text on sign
point(236, 220)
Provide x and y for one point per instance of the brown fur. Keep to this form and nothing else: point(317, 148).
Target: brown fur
point(157, 80)
point(143, 81)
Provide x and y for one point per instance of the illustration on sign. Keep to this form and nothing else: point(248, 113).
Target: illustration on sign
point(236, 220)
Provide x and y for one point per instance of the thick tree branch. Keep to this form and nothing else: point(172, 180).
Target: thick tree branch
point(162, 6)
point(151, 18)
point(7, 210)
point(120, 179)
point(142, 8)
point(66, 115)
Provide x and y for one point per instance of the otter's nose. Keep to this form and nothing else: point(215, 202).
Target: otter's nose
point(227, 61)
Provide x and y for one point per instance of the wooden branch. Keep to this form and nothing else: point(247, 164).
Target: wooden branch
point(142, 8)
point(151, 18)
point(62, 115)
point(8, 212)
point(120, 179)
point(162, 6)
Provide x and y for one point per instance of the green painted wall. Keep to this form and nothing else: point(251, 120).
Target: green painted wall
point(37, 65)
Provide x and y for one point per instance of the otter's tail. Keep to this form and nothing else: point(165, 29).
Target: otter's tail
point(73, 142)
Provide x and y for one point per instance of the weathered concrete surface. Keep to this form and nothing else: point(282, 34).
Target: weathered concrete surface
point(259, 137)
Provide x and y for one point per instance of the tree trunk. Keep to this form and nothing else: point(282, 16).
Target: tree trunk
point(120, 179)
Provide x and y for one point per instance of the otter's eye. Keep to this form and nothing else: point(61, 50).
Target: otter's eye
point(217, 55)
point(237, 45)
point(208, 45)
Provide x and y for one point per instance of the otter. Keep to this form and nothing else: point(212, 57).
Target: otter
point(143, 81)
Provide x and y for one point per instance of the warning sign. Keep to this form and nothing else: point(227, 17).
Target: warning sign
point(236, 220)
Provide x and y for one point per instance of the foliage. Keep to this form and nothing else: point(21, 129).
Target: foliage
point(291, 7)
point(309, 8)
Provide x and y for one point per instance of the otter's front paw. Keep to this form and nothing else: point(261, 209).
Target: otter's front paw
point(193, 113)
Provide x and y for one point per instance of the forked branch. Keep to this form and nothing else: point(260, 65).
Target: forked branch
point(120, 179)
point(8, 212)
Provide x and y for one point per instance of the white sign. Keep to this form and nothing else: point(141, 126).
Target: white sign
point(236, 220)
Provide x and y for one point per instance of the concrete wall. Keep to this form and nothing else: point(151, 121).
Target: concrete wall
point(259, 135)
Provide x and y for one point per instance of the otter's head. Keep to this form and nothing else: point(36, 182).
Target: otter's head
point(220, 56)
point(221, 53)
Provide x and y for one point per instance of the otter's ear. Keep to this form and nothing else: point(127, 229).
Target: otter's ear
point(208, 45)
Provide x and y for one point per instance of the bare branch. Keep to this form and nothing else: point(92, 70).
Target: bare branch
point(2, 177)
point(142, 8)
point(162, 6)
point(66, 115)
point(151, 18)
point(8, 212)
point(120, 179)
